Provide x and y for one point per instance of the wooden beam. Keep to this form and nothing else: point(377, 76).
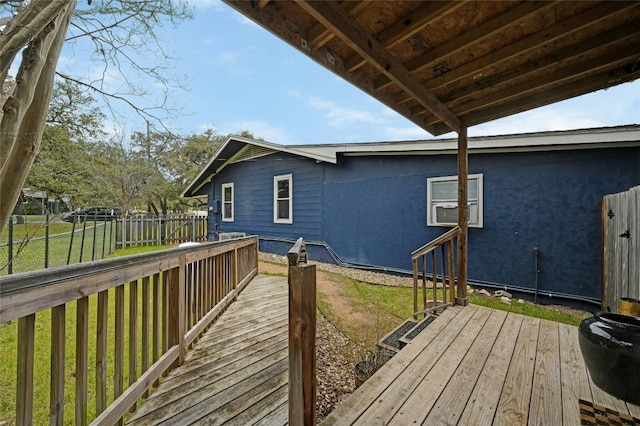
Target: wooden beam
point(553, 61)
point(356, 36)
point(546, 81)
point(319, 35)
point(407, 26)
point(463, 173)
point(475, 35)
point(535, 41)
point(546, 97)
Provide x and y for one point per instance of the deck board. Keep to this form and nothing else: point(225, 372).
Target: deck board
point(452, 401)
point(492, 369)
point(483, 401)
point(237, 373)
point(472, 365)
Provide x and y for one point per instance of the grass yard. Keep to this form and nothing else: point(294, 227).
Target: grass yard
point(29, 245)
point(388, 306)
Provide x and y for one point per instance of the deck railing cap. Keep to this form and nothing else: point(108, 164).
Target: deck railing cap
point(298, 253)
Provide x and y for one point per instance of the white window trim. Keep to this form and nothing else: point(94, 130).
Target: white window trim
point(276, 179)
point(431, 219)
point(233, 201)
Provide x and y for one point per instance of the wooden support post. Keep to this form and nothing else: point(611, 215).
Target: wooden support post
point(463, 173)
point(302, 337)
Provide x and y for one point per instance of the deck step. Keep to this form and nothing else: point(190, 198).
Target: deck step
point(392, 340)
point(408, 337)
point(403, 334)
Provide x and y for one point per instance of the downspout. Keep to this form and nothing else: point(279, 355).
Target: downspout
point(536, 253)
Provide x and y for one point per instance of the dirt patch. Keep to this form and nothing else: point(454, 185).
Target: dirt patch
point(336, 354)
point(331, 291)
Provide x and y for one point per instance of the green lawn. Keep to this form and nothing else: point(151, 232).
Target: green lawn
point(88, 242)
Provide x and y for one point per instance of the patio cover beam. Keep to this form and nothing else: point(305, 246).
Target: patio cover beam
point(351, 32)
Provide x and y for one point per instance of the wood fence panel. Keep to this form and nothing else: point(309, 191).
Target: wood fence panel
point(621, 247)
point(174, 229)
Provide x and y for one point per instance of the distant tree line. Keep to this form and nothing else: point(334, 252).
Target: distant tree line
point(81, 164)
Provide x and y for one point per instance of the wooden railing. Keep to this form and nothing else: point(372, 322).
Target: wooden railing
point(419, 258)
point(173, 296)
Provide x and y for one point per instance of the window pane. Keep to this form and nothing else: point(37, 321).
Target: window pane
point(472, 189)
point(283, 209)
point(227, 193)
point(446, 190)
point(283, 188)
point(227, 210)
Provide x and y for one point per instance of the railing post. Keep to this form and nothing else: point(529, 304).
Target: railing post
point(176, 302)
point(302, 336)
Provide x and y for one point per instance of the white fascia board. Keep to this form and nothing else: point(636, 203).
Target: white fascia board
point(560, 140)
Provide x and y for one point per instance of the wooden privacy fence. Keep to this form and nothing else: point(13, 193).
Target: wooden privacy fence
point(419, 259)
point(175, 229)
point(621, 248)
point(148, 310)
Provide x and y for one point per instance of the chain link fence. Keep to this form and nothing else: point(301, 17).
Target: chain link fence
point(45, 242)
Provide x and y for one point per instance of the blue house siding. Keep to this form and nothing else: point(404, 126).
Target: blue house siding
point(375, 213)
point(372, 210)
point(253, 192)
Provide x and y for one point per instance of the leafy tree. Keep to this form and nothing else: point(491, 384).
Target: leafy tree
point(72, 123)
point(121, 32)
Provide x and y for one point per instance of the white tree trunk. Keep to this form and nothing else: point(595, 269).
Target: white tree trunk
point(25, 111)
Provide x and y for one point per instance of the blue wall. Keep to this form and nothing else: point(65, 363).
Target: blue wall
point(372, 210)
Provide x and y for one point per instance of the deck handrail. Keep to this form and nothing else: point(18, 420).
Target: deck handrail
point(446, 243)
point(436, 242)
point(173, 296)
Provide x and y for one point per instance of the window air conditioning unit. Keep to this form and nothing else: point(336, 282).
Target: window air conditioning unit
point(224, 236)
point(447, 214)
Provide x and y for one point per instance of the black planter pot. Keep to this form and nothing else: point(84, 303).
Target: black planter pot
point(610, 345)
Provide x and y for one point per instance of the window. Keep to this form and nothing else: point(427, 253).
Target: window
point(442, 201)
point(227, 202)
point(283, 199)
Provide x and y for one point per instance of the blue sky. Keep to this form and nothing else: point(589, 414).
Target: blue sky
point(241, 77)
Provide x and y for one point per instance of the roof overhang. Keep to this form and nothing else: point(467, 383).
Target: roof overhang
point(443, 64)
point(605, 137)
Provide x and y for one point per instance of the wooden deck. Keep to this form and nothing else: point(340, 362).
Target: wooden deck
point(475, 365)
point(472, 365)
point(237, 372)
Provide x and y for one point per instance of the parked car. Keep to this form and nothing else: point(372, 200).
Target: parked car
point(91, 213)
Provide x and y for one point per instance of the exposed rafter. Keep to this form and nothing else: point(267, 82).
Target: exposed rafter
point(351, 32)
point(439, 62)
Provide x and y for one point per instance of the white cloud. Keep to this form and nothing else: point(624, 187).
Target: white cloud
point(206, 4)
point(405, 133)
point(340, 117)
point(227, 57)
point(259, 129)
point(547, 119)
